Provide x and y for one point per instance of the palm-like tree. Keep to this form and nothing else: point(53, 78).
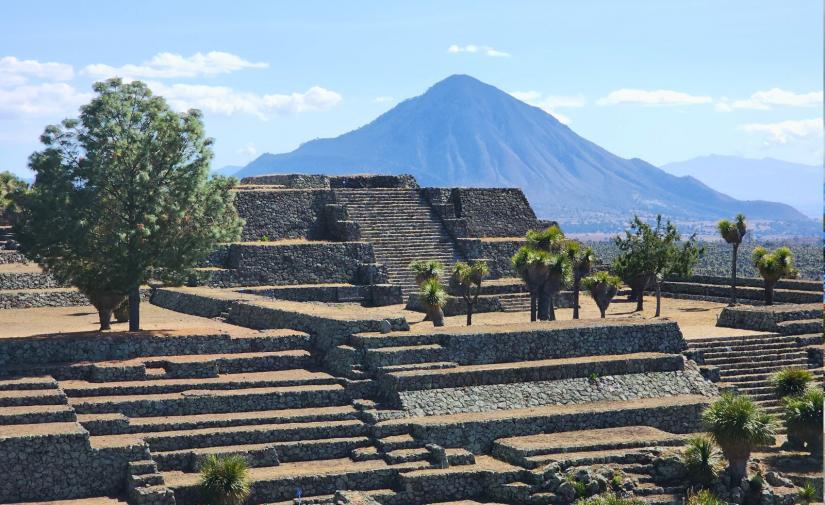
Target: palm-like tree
point(468, 276)
point(773, 266)
point(425, 270)
point(603, 287)
point(434, 297)
point(581, 263)
point(544, 266)
point(225, 480)
point(738, 426)
point(533, 267)
point(733, 233)
point(803, 418)
point(558, 273)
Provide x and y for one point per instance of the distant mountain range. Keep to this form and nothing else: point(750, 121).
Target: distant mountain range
point(227, 170)
point(796, 184)
point(463, 132)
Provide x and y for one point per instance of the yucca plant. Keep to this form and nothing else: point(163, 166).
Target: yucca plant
point(425, 270)
point(608, 499)
point(791, 381)
point(225, 480)
point(581, 263)
point(603, 287)
point(701, 456)
point(803, 418)
point(807, 493)
point(468, 278)
point(733, 233)
point(738, 426)
point(704, 497)
point(773, 266)
point(532, 265)
point(433, 297)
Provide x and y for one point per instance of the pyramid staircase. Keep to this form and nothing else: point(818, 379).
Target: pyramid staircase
point(402, 228)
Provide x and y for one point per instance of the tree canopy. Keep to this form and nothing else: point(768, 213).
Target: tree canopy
point(122, 194)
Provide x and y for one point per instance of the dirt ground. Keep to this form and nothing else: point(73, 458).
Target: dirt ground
point(41, 320)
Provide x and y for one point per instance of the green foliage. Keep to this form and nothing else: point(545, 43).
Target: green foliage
point(654, 251)
point(265, 238)
point(593, 377)
point(427, 269)
point(775, 265)
point(608, 499)
point(433, 294)
point(738, 426)
point(701, 456)
point(551, 239)
point(791, 381)
point(807, 493)
point(580, 487)
point(704, 497)
point(733, 232)
point(470, 274)
point(225, 480)
point(618, 479)
point(600, 278)
point(803, 417)
point(757, 483)
point(10, 186)
point(123, 195)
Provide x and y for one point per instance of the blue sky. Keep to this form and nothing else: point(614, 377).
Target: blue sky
point(662, 81)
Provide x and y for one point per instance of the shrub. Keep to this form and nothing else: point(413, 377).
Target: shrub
point(807, 493)
point(701, 456)
point(425, 270)
point(738, 426)
point(433, 297)
point(803, 418)
point(603, 287)
point(791, 381)
point(225, 480)
point(704, 497)
point(608, 499)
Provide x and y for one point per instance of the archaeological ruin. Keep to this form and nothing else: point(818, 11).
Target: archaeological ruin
point(303, 347)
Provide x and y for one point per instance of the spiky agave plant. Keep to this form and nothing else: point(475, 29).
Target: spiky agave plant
point(803, 418)
point(225, 480)
point(434, 297)
point(733, 233)
point(701, 456)
point(738, 426)
point(791, 381)
point(773, 266)
point(603, 287)
point(425, 270)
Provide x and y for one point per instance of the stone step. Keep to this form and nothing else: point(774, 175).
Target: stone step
point(213, 401)
point(314, 478)
point(528, 371)
point(760, 368)
point(433, 365)
point(239, 435)
point(279, 378)
point(443, 485)
point(387, 356)
point(518, 450)
point(800, 327)
point(397, 442)
point(24, 397)
point(398, 339)
point(742, 342)
point(405, 455)
point(111, 424)
point(28, 383)
point(210, 365)
point(32, 414)
point(745, 359)
point(754, 351)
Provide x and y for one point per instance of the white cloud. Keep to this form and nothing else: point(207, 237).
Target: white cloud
point(14, 72)
point(248, 151)
point(383, 99)
point(787, 131)
point(475, 49)
point(171, 65)
point(652, 97)
point(765, 100)
point(40, 100)
point(549, 103)
point(226, 101)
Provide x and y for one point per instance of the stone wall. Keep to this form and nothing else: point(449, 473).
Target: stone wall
point(765, 318)
point(713, 292)
point(494, 212)
point(283, 214)
point(62, 465)
point(42, 298)
point(497, 252)
point(7, 257)
point(301, 181)
point(27, 280)
point(797, 284)
point(301, 263)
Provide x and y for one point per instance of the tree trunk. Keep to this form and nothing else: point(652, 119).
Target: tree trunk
point(576, 289)
point(639, 286)
point(552, 310)
point(134, 309)
point(602, 312)
point(533, 307)
point(437, 316)
point(733, 275)
point(769, 285)
point(544, 306)
point(658, 299)
point(738, 468)
point(469, 314)
point(105, 316)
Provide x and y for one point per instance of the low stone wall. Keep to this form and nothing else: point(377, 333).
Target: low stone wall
point(478, 434)
point(27, 280)
point(456, 306)
point(494, 212)
point(7, 257)
point(302, 181)
point(62, 465)
point(375, 295)
point(483, 398)
point(497, 252)
point(42, 298)
point(719, 291)
point(753, 282)
point(765, 318)
point(283, 214)
point(301, 262)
